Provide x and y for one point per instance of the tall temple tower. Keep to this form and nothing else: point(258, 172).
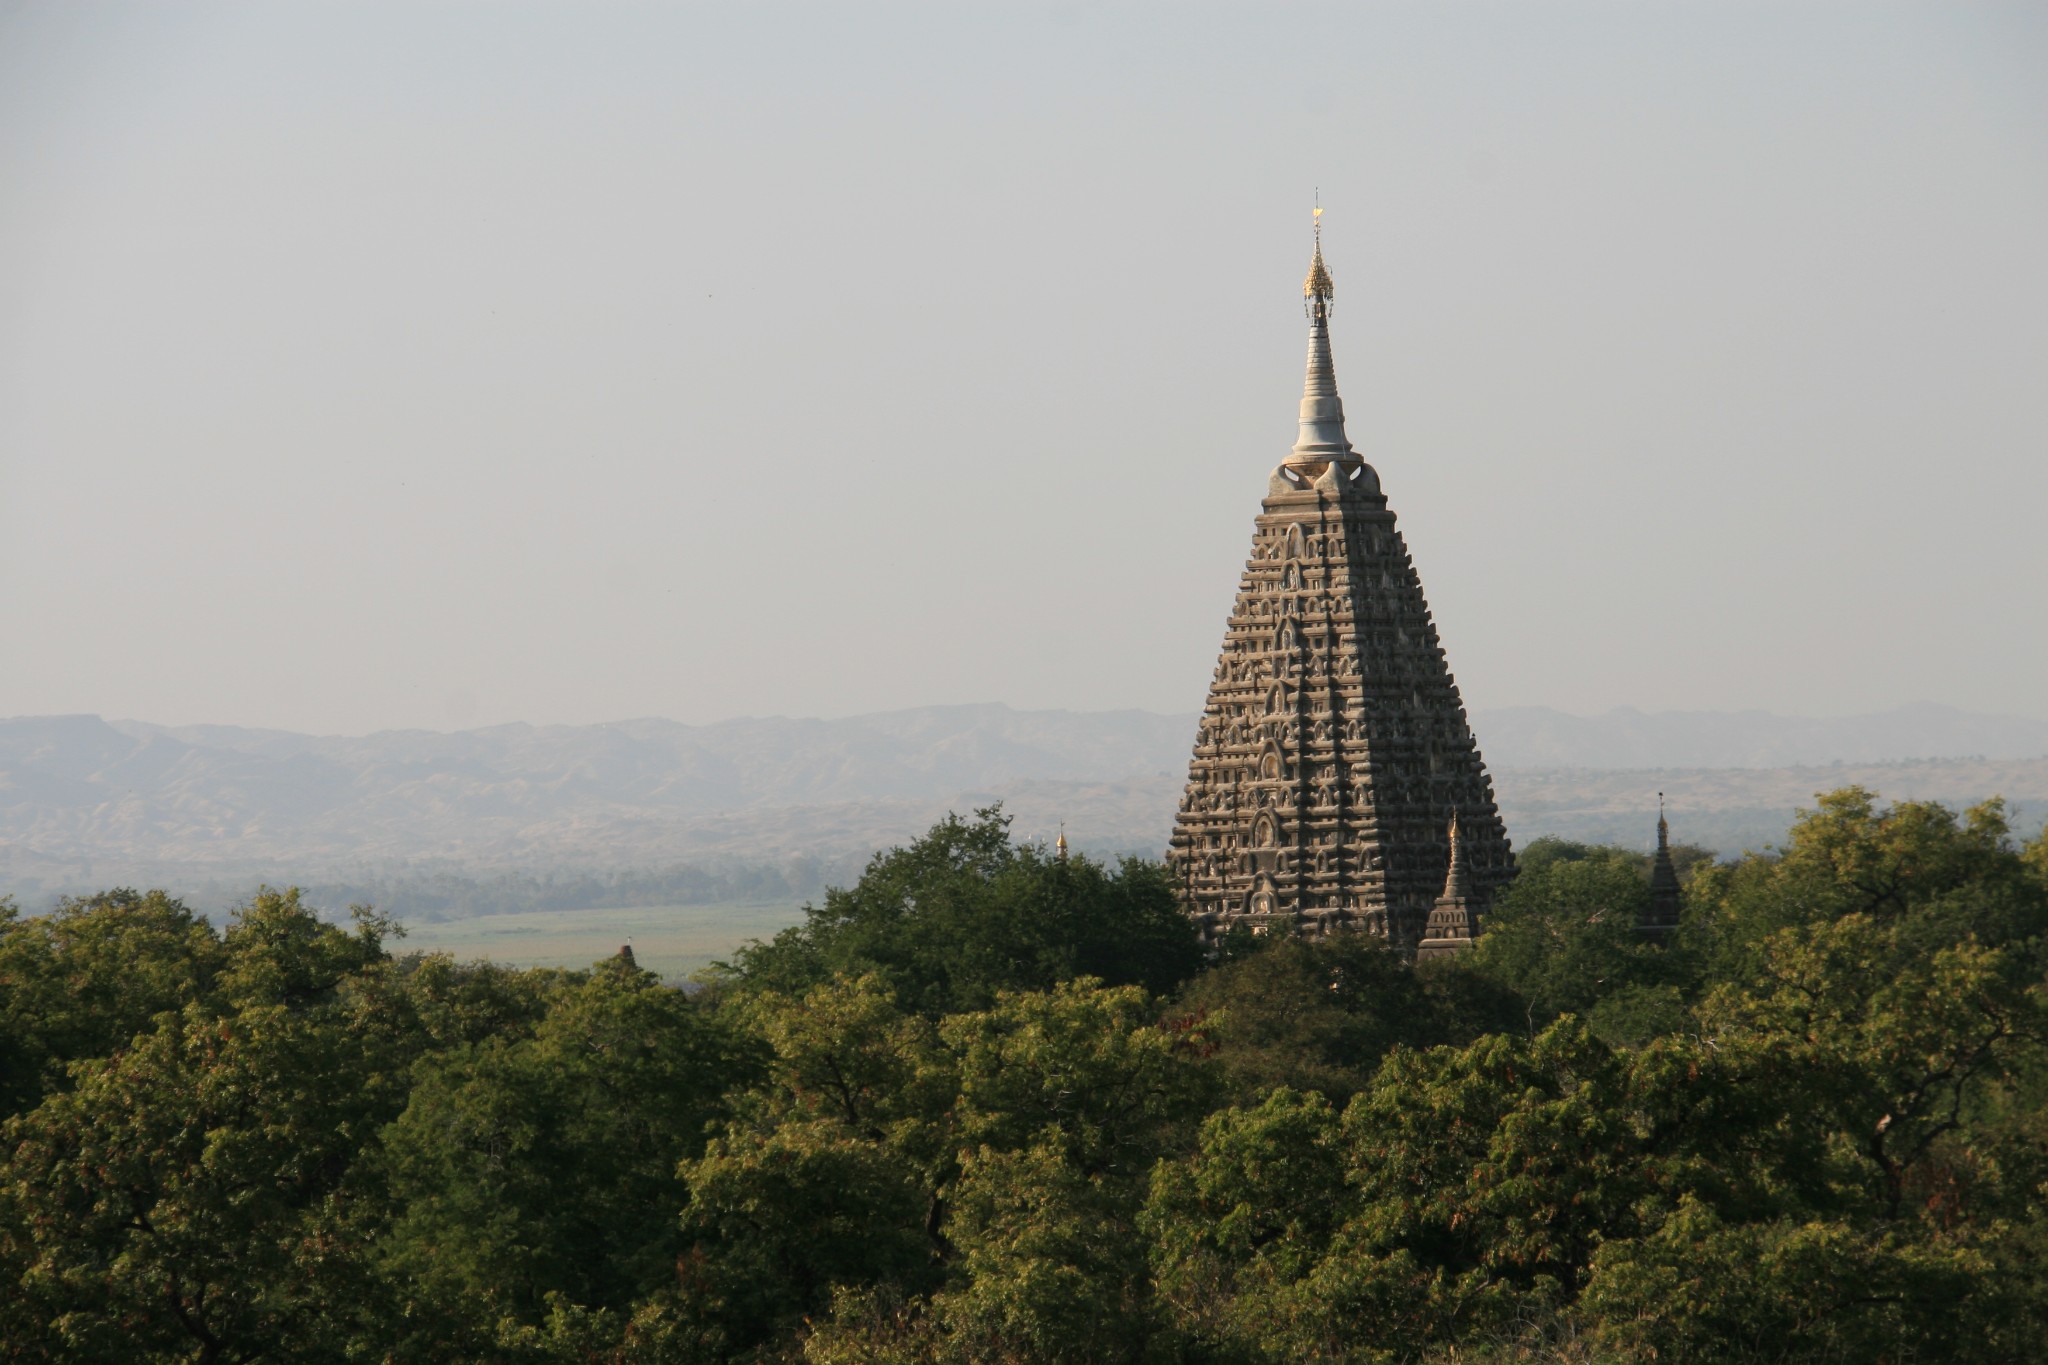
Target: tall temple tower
point(1335, 784)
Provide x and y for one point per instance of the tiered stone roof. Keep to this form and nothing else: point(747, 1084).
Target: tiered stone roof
point(1333, 754)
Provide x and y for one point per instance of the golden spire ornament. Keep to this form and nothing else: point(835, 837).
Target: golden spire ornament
point(1318, 285)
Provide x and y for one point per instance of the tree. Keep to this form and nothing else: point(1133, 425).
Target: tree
point(1082, 1069)
point(189, 1196)
point(1883, 979)
point(828, 1176)
point(1562, 936)
point(84, 979)
point(279, 951)
point(2035, 858)
point(782, 1218)
point(1051, 1266)
point(1065, 1098)
point(1236, 1226)
point(1320, 1014)
point(527, 1172)
point(963, 914)
point(1462, 1188)
point(1815, 1131)
point(1912, 863)
point(201, 1192)
point(1546, 851)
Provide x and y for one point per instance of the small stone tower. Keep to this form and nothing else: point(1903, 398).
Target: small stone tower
point(1660, 921)
point(1451, 922)
point(1333, 758)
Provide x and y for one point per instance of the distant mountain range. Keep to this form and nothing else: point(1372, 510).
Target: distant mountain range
point(753, 808)
point(1538, 737)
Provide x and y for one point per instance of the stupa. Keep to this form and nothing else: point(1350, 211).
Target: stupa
point(1334, 779)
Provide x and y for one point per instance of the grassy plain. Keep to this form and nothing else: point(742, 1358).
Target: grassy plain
point(673, 940)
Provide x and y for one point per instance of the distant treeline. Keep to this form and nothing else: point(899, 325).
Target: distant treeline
point(989, 1106)
point(451, 895)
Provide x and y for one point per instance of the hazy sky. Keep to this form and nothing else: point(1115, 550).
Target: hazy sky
point(438, 364)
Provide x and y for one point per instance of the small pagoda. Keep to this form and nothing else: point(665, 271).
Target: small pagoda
point(1452, 921)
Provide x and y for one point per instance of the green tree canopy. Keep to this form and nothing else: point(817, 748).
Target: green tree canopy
point(964, 913)
point(987, 1105)
point(1320, 1014)
point(187, 1196)
point(87, 977)
point(529, 1169)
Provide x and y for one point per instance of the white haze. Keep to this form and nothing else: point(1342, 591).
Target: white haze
point(440, 364)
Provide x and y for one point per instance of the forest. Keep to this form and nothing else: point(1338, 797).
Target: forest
point(987, 1104)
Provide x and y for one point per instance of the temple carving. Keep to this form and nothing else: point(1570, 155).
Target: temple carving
point(1335, 784)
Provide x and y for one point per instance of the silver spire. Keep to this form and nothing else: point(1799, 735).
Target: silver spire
point(1322, 411)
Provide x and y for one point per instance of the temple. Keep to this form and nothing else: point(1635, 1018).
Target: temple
point(1451, 920)
point(1335, 785)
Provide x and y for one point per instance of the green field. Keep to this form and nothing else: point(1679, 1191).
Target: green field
point(674, 940)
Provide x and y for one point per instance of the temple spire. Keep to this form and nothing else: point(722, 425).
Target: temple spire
point(1333, 749)
point(1322, 411)
point(1661, 919)
point(1457, 884)
point(1450, 926)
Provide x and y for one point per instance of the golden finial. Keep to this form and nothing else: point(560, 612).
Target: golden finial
point(1318, 284)
point(1061, 846)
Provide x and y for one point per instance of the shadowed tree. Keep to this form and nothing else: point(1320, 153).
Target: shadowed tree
point(531, 1171)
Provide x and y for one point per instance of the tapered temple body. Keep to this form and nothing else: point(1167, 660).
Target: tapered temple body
point(1333, 760)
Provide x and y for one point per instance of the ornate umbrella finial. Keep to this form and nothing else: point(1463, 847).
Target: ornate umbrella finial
point(1318, 285)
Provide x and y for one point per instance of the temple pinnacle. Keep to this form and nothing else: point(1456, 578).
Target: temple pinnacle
point(1451, 922)
point(1322, 411)
point(1318, 285)
point(1457, 885)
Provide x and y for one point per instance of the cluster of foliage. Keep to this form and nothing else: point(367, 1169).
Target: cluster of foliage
point(989, 1105)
